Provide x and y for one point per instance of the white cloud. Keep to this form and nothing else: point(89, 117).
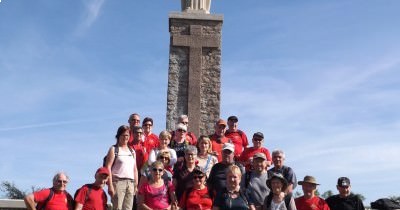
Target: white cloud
point(92, 12)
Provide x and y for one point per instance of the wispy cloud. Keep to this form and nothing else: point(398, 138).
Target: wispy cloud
point(92, 12)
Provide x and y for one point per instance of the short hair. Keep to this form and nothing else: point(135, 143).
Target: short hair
point(165, 134)
point(278, 152)
point(164, 153)
point(156, 164)
point(135, 128)
point(57, 176)
point(122, 129)
point(207, 139)
point(234, 169)
point(147, 119)
point(191, 148)
point(132, 115)
point(182, 117)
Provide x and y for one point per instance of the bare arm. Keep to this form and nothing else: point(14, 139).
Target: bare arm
point(174, 201)
point(109, 162)
point(78, 206)
point(30, 202)
point(136, 176)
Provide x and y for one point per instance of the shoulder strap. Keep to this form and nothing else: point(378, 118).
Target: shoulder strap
point(243, 196)
point(287, 200)
point(132, 152)
point(89, 186)
point(208, 162)
point(269, 199)
point(43, 205)
point(116, 150)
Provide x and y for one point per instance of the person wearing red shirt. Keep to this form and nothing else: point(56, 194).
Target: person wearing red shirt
point(309, 201)
point(236, 136)
point(198, 197)
point(248, 153)
point(218, 139)
point(55, 198)
point(141, 152)
point(92, 196)
point(134, 120)
point(150, 139)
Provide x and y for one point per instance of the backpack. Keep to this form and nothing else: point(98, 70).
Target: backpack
point(42, 205)
point(385, 204)
point(89, 186)
point(116, 150)
point(287, 199)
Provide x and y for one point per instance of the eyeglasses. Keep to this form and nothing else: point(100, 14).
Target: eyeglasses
point(158, 169)
point(145, 125)
point(62, 181)
point(228, 152)
point(181, 130)
point(198, 177)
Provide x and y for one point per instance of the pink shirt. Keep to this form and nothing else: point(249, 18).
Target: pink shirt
point(156, 197)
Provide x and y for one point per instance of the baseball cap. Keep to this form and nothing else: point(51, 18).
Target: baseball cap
point(181, 126)
point(258, 134)
point(233, 118)
point(259, 155)
point(229, 146)
point(103, 170)
point(343, 182)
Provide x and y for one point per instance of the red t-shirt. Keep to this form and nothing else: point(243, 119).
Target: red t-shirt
point(314, 203)
point(239, 139)
point(150, 142)
point(59, 201)
point(197, 199)
point(141, 154)
point(217, 145)
point(96, 200)
point(250, 152)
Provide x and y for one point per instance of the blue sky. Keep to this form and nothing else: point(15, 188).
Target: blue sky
point(320, 79)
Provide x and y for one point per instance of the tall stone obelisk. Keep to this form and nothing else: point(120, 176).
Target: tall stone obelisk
point(194, 77)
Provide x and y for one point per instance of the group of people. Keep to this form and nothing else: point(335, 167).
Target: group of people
point(176, 170)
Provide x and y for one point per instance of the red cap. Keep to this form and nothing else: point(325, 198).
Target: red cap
point(103, 170)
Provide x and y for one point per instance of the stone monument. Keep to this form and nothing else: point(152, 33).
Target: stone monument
point(194, 67)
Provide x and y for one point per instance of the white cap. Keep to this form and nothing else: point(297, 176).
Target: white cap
point(229, 146)
point(181, 126)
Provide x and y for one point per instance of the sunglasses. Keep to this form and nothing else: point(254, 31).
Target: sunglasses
point(228, 152)
point(185, 123)
point(164, 158)
point(198, 177)
point(158, 169)
point(62, 181)
point(181, 130)
point(257, 139)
